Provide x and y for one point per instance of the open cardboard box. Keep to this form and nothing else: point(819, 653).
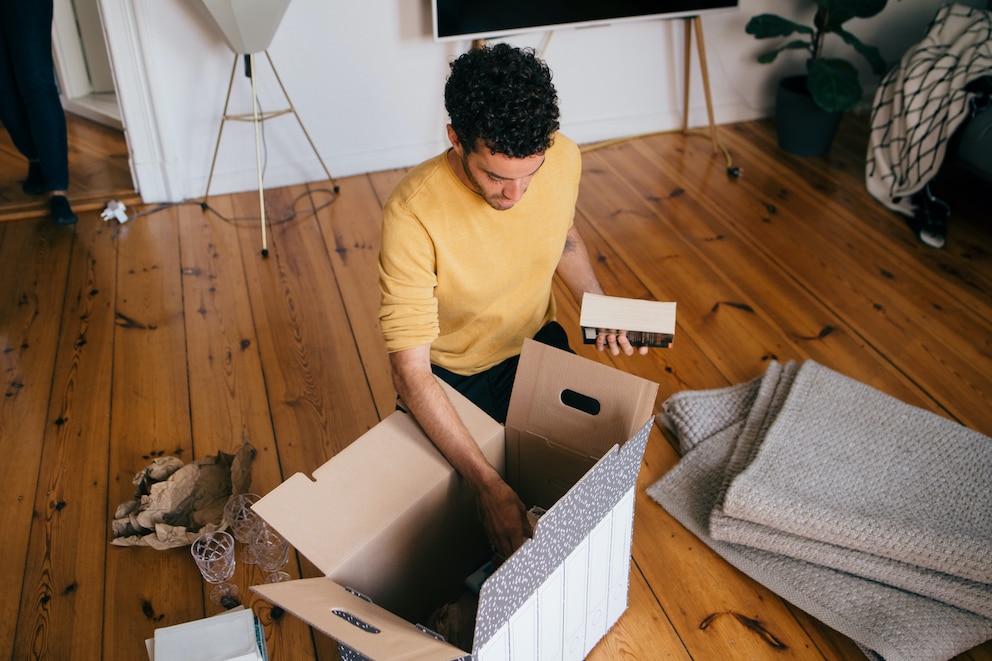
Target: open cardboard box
point(396, 532)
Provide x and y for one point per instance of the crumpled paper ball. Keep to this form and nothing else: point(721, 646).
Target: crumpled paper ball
point(174, 503)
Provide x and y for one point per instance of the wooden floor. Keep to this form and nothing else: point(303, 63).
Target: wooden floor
point(98, 172)
point(171, 335)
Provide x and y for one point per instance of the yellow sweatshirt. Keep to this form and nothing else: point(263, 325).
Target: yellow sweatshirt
point(467, 279)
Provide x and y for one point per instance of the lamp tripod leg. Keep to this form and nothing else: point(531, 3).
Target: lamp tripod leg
point(299, 121)
point(258, 151)
point(220, 131)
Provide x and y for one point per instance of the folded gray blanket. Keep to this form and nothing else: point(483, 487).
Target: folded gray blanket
point(870, 514)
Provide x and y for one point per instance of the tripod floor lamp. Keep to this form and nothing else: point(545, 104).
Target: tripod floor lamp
point(248, 27)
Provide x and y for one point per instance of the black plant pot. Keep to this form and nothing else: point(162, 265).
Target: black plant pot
point(804, 128)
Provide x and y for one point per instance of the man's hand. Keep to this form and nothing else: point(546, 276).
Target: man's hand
point(503, 516)
point(576, 271)
point(616, 341)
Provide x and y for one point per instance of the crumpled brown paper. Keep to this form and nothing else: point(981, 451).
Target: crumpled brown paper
point(176, 503)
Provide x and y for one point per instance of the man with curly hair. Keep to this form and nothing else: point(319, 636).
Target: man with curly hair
point(471, 241)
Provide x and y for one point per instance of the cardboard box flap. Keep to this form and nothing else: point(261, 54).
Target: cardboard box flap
point(360, 624)
point(576, 403)
point(374, 516)
point(331, 517)
point(565, 413)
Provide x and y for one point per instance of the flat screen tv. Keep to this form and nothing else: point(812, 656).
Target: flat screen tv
point(472, 19)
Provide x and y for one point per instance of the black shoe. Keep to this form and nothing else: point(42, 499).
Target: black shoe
point(35, 183)
point(930, 218)
point(61, 211)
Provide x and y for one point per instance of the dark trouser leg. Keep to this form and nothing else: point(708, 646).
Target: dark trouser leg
point(29, 101)
point(490, 390)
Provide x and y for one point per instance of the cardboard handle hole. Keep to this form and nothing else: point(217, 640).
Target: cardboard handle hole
point(351, 619)
point(358, 594)
point(433, 634)
point(580, 402)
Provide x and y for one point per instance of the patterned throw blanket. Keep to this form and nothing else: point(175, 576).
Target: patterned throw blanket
point(872, 515)
point(921, 102)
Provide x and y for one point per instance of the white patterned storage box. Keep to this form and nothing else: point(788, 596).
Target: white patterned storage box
point(396, 532)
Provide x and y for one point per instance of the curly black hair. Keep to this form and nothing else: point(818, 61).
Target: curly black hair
point(502, 95)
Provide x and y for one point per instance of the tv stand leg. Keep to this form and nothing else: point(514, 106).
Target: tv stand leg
point(694, 23)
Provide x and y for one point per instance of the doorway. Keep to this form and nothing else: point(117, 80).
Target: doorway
point(82, 63)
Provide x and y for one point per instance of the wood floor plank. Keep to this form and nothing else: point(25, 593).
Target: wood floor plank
point(99, 171)
point(643, 631)
point(34, 259)
point(720, 296)
point(228, 400)
point(98, 157)
point(810, 319)
point(11, 175)
point(965, 279)
point(227, 388)
point(61, 611)
point(352, 231)
point(948, 293)
point(148, 588)
point(384, 181)
point(638, 224)
point(983, 653)
point(319, 401)
point(673, 370)
point(862, 287)
point(318, 396)
point(842, 176)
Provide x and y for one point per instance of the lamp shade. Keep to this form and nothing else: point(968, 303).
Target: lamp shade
point(248, 25)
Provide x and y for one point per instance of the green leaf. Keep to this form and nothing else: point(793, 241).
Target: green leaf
point(834, 84)
point(796, 44)
point(832, 14)
point(845, 10)
point(765, 26)
point(829, 17)
point(870, 53)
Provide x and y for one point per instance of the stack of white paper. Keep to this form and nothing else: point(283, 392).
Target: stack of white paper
point(231, 636)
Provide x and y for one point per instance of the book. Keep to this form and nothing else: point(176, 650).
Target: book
point(235, 635)
point(648, 323)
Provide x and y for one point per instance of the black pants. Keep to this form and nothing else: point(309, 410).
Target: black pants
point(30, 108)
point(490, 390)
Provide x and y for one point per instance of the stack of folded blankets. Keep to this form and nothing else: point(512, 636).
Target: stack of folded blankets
point(872, 515)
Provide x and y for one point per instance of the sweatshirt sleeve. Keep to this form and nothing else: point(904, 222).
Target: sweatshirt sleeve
point(408, 312)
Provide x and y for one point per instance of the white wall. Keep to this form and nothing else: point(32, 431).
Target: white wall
point(366, 79)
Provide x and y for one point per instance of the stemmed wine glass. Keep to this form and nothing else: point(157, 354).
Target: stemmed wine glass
point(243, 521)
point(214, 556)
point(271, 552)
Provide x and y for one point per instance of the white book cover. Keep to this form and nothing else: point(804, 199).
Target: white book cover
point(648, 323)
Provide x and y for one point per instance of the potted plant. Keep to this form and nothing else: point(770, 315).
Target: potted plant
point(830, 86)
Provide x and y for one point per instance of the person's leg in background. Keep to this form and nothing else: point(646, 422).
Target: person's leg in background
point(30, 108)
